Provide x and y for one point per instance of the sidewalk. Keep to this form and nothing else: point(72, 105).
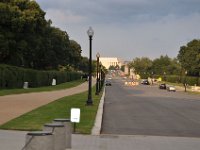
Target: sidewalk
point(15, 140)
point(12, 106)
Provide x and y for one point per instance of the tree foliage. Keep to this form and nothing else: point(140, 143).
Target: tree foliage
point(27, 39)
point(83, 64)
point(114, 67)
point(159, 66)
point(188, 60)
point(141, 65)
point(189, 57)
point(75, 54)
point(165, 65)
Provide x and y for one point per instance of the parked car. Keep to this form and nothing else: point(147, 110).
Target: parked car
point(145, 82)
point(162, 86)
point(171, 88)
point(108, 83)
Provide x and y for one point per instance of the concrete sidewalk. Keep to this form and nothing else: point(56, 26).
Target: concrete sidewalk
point(15, 140)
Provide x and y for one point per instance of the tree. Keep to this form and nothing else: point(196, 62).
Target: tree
point(27, 39)
point(160, 64)
point(83, 64)
point(189, 57)
point(141, 65)
point(74, 53)
point(111, 67)
point(21, 27)
point(57, 53)
point(122, 68)
point(164, 64)
point(175, 67)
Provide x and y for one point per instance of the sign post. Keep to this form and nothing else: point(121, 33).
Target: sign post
point(75, 116)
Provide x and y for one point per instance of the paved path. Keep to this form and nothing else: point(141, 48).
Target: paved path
point(12, 106)
point(15, 140)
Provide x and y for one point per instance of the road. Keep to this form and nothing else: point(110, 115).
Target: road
point(147, 110)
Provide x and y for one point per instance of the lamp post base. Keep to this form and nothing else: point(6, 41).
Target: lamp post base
point(89, 102)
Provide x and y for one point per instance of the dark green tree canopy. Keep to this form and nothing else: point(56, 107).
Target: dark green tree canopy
point(141, 65)
point(160, 66)
point(74, 53)
point(27, 39)
point(189, 57)
point(83, 64)
point(165, 65)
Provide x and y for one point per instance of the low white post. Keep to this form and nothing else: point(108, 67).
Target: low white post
point(54, 82)
point(25, 86)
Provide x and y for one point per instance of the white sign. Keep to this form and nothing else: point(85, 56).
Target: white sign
point(75, 115)
point(54, 82)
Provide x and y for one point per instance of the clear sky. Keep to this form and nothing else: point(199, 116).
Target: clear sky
point(127, 28)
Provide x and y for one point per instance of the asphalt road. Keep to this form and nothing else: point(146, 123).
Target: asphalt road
point(147, 110)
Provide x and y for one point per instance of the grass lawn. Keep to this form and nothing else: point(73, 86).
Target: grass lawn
point(181, 85)
point(41, 89)
point(170, 83)
point(60, 108)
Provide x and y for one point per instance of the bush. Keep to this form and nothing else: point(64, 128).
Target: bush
point(192, 80)
point(173, 79)
point(14, 77)
point(10, 77)
point(182, 79)
point(176, 79)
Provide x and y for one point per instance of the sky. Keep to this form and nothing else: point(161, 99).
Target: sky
point(127, 28)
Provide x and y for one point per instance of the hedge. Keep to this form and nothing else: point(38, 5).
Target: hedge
point(182, 79)
point(14, 77)
point(176, 79)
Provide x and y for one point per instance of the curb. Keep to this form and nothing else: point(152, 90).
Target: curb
point(98, 121)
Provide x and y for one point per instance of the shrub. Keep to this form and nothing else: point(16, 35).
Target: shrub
point(14, 77)
point(182, 79)
point(192, 80)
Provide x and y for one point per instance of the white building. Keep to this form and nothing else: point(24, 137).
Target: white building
point(110, 61)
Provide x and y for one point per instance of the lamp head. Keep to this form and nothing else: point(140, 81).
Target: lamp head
point(90, 32)
point(98, 55)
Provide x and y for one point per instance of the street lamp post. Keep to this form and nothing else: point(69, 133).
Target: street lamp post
point(102, 78)
point(185, 82)
point(90, 33)
point(152, 78)
point(164, 76)
point(97, 79)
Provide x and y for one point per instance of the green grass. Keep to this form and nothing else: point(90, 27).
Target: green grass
point(41, 89)
point(170, 83)
point(60, 108)
point(181, 85)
